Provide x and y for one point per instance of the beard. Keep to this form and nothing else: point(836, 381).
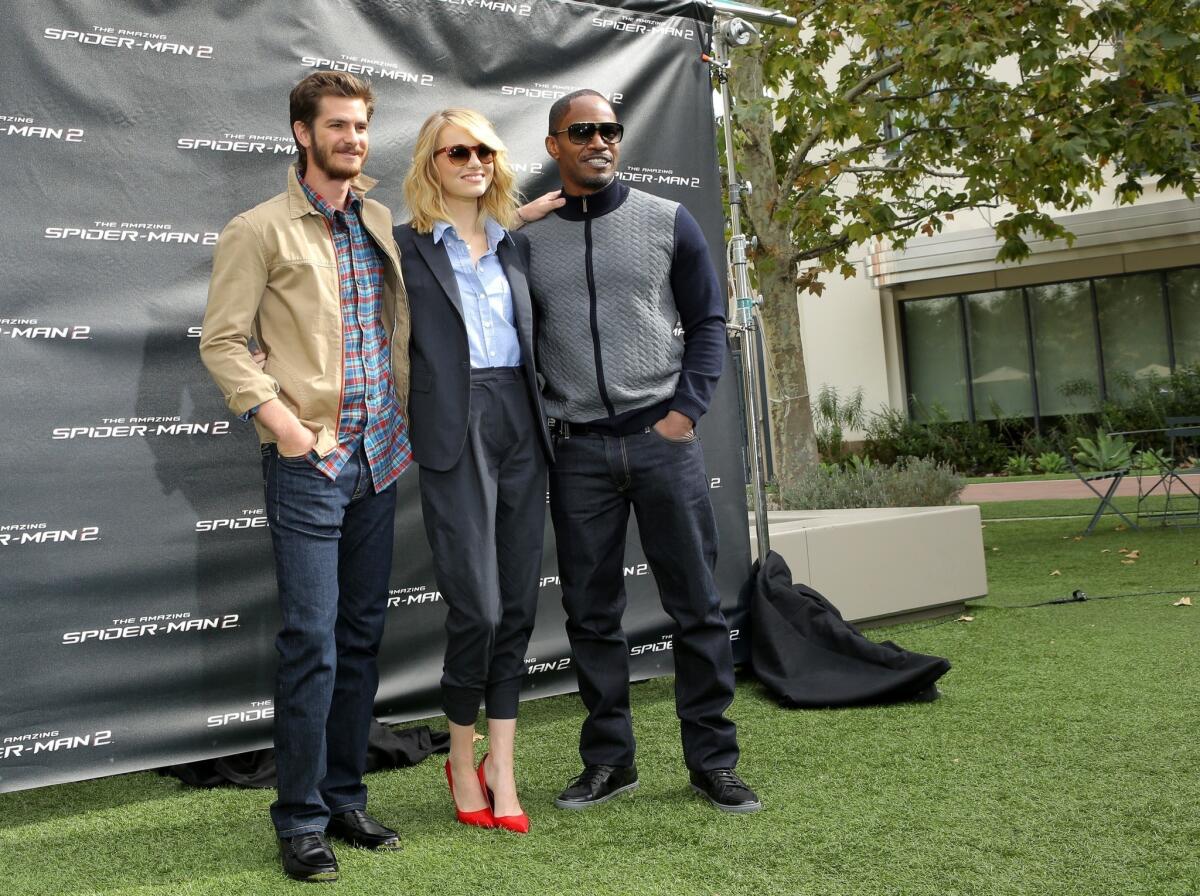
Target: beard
point(333, 165)
point(592, 179)
point(598, 179)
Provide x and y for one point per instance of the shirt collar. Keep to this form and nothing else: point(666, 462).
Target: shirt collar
point(593, 205)
point(299, 204)
point(319, 203)
point(492, 229)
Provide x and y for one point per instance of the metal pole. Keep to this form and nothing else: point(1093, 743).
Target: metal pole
point(752, 13)
point(744, 322)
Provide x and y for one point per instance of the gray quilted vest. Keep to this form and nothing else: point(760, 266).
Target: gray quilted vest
point(608, 340)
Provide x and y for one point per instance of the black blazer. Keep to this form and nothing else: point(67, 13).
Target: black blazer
point(440, 362)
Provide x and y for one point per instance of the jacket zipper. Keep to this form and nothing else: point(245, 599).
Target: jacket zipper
point(594, 316)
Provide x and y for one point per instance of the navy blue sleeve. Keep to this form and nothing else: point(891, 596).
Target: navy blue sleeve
point(701, 304)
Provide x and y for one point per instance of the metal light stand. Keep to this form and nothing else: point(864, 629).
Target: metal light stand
point(745, 323)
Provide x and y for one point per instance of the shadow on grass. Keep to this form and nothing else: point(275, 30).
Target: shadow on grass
point(42, 804)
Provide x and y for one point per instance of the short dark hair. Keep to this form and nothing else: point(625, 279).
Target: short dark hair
point(561, 105)
point(306, 97)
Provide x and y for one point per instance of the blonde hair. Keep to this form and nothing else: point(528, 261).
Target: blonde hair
point(423, 186)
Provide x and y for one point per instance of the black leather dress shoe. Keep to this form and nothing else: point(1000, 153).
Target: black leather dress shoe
point(309, 858)
point(359, 829)
point(724, 789)
point(598, 784)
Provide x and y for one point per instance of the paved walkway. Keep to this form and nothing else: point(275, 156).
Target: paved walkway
point(978, 493)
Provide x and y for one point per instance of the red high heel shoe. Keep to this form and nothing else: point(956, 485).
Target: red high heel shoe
point(480, 818)
point(518, 824)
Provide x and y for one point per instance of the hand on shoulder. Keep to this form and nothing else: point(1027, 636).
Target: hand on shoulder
point(538, 208)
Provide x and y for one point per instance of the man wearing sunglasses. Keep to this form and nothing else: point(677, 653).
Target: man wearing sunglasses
point(613, 272)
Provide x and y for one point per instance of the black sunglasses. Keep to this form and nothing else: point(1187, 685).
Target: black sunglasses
point(581, 132)
point(459, 154)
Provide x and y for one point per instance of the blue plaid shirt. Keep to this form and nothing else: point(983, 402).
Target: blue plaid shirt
point(370, 413)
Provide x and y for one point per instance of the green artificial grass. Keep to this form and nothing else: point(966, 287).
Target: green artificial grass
point(1082, 507)
point(1113, 561)
point(1059, 762)
point(1032, 477)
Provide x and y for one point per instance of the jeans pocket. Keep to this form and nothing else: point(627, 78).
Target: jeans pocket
point(686, 440)
point(300, 497)
point(301, 462)
point(267, 453)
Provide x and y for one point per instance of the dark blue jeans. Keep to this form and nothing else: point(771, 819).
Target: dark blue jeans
point(593, 483)
point(333, 557)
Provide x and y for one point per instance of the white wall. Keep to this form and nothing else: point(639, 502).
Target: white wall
point(844, 344)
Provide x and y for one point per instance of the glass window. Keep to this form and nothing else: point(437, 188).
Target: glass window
point(1000, 377)
point(936, 364)
point(1183, 288)
point(1133, 330)
point(1064, 348)
point(1063, 321)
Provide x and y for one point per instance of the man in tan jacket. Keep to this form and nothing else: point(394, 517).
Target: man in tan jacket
point(313, 275)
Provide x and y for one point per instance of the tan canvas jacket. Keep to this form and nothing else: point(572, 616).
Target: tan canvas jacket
point(275, 278)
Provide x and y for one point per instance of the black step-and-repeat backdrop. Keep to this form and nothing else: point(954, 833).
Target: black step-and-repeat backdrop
point(137, 597)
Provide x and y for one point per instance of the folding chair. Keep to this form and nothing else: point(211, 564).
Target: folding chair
point(1180, 501)
point(1114, 478)
point(1183, 500)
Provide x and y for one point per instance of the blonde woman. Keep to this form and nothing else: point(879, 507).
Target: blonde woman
point(479, 437)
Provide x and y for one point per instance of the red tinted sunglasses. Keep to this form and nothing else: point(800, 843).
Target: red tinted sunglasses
point(459, 154)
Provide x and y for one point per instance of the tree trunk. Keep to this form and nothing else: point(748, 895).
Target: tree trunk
point(793, 440)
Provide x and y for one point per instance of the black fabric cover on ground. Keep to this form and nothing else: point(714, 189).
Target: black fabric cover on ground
point(811, 658)
point(386, 748)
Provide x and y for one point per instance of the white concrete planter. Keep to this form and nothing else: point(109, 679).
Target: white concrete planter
point(877, 563)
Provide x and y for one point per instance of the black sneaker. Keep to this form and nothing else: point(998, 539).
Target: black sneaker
point(598, 784)
point(309, 858)
point(724, 789)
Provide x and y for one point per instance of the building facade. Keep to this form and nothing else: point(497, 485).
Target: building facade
point(942, 327)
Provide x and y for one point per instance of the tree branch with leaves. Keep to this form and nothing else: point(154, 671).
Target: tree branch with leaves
point(873, 122)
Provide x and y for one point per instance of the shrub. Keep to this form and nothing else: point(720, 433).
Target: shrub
point(1035, 444)
point(966, 446)
point(1018, 465)
point(891, 435)
point(859, 462)
point(1050, 462)
point(832, 416)
point(1133, 404)
point(911, 482)
point(1152, 460)
point(1105, 452)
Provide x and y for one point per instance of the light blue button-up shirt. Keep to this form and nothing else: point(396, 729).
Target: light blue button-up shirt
point(486, 297)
